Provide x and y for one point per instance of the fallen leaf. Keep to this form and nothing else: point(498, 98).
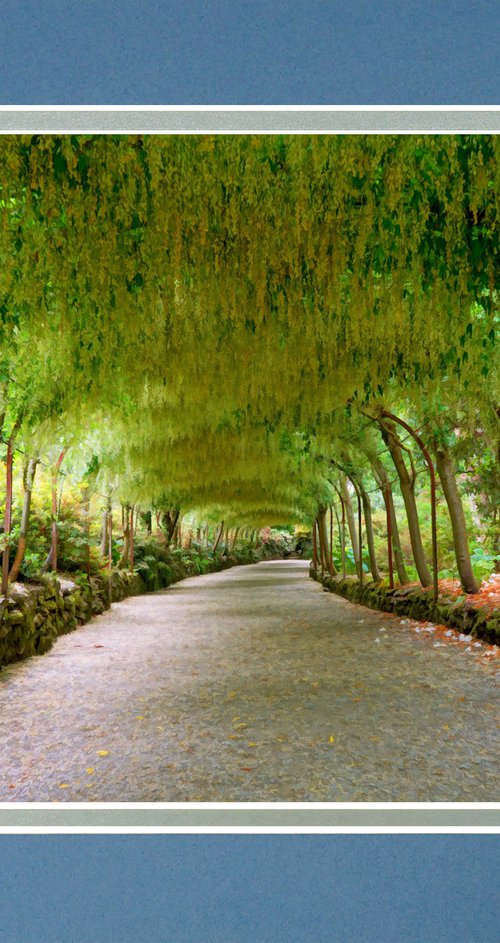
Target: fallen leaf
point(139, 717)
point(240, 726)
point(331, 740)
point(247, 769)
point(103, 753)
point(250, 744)
point(90, 769)
point(63, 785)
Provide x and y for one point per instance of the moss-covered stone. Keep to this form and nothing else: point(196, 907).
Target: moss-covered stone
point(33, 615)
point(416, 603)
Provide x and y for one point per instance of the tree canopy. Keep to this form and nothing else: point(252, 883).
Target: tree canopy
point(213, 316)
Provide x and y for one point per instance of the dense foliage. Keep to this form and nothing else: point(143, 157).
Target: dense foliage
point(219, 326)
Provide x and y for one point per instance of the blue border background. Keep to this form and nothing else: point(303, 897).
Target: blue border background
point(249, 52)
point(249, 888)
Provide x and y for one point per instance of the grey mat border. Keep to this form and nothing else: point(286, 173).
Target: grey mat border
point(262, 818)
point(232, 120)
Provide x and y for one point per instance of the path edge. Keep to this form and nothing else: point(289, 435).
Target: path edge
point(416, 603)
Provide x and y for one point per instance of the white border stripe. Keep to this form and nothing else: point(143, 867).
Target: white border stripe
point(258, 806)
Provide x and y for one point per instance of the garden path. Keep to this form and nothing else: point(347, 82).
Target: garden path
point(251, 684)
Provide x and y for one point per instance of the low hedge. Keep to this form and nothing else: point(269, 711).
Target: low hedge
point(417, 603)
point(35, 613)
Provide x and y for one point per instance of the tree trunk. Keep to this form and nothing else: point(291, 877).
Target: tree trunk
point(351, 523)
point(367, 508)
point(125, 554)
point(29, 477)
point(383, 482)
point(446, 474)
point(406, 482)
point(235, 537)
point(322, 539)
point(53, 547)
point(217, 542)
point(170, 519)
point(321, 549)
point(326, 561)
point(86, 498)
point(131, 540)
point(342, 539)
point(331, 534)
point(432, 480)
point(8, 512)
point(110, 549)
point(104, 533)
point(360, 530)
point(339, 528)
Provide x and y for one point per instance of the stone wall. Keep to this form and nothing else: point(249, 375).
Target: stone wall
point(34, 614)
point(417, 603)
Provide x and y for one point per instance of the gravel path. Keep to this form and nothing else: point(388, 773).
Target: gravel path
point(251, 684)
